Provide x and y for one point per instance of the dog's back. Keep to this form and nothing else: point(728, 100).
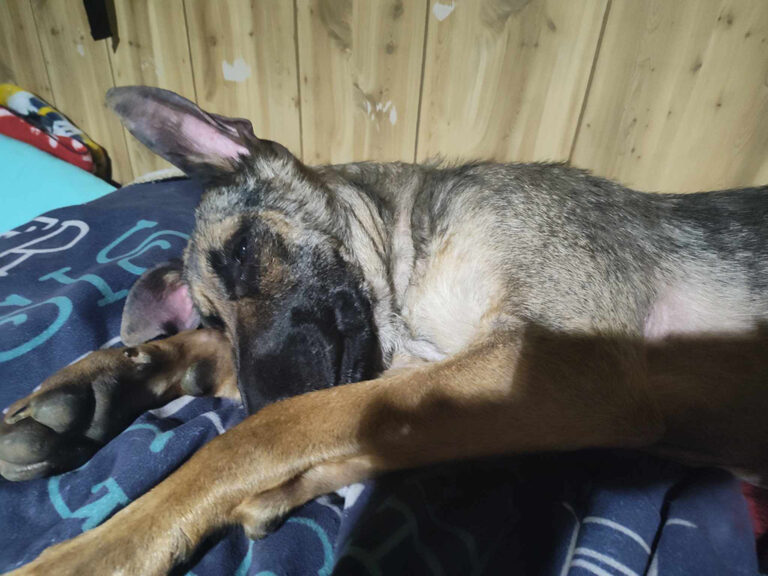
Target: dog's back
point(553, 245)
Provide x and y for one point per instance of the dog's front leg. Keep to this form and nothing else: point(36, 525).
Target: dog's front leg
point(506, 395)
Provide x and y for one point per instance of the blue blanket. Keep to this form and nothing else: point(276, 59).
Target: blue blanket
point(63, 282)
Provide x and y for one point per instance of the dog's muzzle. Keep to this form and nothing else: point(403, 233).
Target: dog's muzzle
point(312, 343)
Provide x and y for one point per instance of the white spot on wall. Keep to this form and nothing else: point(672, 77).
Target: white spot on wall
point(238, 71)
point(377, 111)
point(149, 63)
point(442, 11)
point(81, 50)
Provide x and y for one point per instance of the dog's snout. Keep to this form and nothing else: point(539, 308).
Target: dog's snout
point(299, 353)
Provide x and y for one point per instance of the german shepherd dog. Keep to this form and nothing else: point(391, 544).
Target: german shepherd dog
point(469, 310)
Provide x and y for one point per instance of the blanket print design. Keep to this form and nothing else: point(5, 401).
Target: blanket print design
point(63, 282)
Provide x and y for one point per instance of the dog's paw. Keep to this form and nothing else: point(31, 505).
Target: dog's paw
point(75, 411)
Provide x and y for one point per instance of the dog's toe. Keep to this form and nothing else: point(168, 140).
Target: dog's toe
point(27, 442)
point(62, 408)
point(28, 450)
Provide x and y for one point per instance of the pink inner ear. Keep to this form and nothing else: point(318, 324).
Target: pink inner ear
point(209, 141)
point(158, 307)
point(178, 309)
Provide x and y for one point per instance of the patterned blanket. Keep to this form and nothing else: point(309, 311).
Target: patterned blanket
point(63, 282)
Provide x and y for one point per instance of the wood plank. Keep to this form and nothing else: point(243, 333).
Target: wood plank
point(153, 51)
point(21, 59)
point(679, 98)
point(506, 79)
point(360, 65)
point(80, 76)
point(244, 60)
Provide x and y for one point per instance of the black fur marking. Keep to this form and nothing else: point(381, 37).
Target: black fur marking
point(213, 321)
point(317, 334)
point(237, 263)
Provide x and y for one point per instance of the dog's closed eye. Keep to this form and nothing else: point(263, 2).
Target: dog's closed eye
point(240, 251)
point(237, 266)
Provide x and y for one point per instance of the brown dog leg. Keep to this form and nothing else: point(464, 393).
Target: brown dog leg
point(506, 395)
point(84, 405)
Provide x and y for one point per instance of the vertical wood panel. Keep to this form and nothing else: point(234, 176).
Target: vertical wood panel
point(80, 76)
point(679, 99)
point(244, 60)
point(21, 59)
point(152, 51)
point(505, 79)
point(360, 66)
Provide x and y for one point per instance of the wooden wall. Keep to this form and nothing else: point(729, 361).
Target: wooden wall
point(659, 94)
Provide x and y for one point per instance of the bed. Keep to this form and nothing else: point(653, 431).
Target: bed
point(64, 276)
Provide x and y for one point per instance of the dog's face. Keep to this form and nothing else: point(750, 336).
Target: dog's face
point(266, 262)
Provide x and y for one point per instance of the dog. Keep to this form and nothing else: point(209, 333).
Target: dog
point(376, 317)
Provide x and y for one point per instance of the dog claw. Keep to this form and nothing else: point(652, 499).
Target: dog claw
point(17, 411)
point(64, 409)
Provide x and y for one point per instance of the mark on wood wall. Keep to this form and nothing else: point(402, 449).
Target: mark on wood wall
point(360, 66)
point(657, 94)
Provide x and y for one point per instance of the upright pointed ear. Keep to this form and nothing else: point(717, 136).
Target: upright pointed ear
point(205, 146)
point(158, 304)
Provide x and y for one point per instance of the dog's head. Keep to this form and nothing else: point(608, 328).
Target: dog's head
point(266, 262)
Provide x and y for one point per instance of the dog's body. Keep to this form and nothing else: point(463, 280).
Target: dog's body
point(511, 307)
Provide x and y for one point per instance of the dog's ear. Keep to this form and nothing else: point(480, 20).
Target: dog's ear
point(203, 145)
point(158, 304)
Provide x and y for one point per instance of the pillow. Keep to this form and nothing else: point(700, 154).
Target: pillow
point(34, 182)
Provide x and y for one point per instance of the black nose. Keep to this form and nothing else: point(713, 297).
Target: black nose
point(308, 347)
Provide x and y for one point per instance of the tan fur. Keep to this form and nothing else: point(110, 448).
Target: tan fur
point(453, 292)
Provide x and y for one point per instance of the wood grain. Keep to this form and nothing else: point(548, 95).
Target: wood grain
point(244, 58)
point(21, 59)
point(360, 66)
point(153, 51)
point(505, 79)
point(679, 98)
point(80, 76)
